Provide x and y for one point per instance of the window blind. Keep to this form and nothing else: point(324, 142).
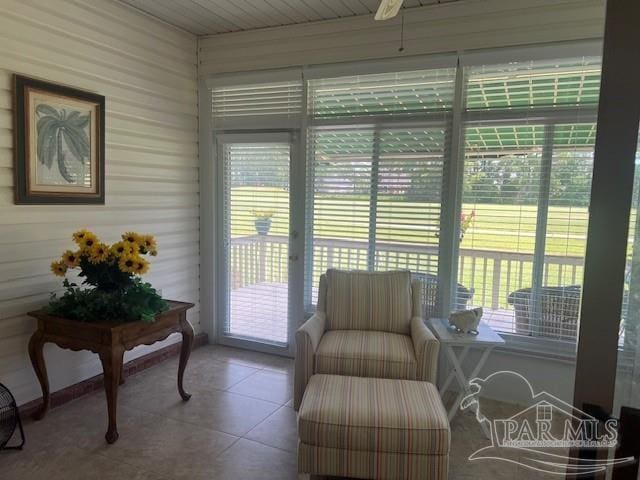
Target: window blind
point(253, 105)
point(629, 338)
point(376, 158)
point(501, 186)
point(401, 93)
point(377, 153)
point(255, 237)
point(374, 200)
point(558, 299)
point(548, 83)
point(526, 188)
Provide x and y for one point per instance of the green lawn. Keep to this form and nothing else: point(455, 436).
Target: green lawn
point(507, 228)
point(496, 228)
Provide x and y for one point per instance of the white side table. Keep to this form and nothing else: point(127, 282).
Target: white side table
point(486, 340)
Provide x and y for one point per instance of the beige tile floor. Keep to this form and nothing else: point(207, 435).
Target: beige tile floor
point(239, 424)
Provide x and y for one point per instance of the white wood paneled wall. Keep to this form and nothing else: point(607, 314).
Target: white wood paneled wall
point(447, 27)
point(147, 71)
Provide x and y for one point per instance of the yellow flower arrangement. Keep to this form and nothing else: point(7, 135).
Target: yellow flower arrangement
point(148, 243)
point(114, 271)
point(124, 256)
point(98, 253)
point(127, 263)
point(80, 234)
point(59, 268)
point(124, 248)
point(86, 242)
point(132, 237)
point(71, 259)
point(141, 266)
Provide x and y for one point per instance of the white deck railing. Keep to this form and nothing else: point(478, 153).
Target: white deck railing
point(491, 274)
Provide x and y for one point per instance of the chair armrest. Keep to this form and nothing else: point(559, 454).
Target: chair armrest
point(427, 347)
point(307, 340)
point(312, 330)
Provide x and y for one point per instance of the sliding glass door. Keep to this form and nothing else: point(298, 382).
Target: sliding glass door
point(254, 233)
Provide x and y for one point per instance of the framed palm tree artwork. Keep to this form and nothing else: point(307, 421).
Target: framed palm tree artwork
point(58, 144)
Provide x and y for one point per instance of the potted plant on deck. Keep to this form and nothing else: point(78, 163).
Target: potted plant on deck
point(466, 220)
point(263, 221)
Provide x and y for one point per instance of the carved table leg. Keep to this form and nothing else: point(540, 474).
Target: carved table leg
point(37, 360)
point(112, 365)
point(185, 351)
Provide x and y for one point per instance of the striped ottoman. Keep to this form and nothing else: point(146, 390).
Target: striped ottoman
point(372, 428)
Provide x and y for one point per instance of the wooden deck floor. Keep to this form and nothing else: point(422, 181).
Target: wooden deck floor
point(260, 311)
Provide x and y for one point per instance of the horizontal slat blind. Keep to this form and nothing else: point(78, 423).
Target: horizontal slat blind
point(501, 186)
point(526, 189)
point(628, 373)
point(399, 93)
point(375, 190)
point(377, 155)
point(566, 230)
point(256, 228)
point(339, 203)
point(409, 194)
point(266, 103)
point(546, 83)
point(376, 197)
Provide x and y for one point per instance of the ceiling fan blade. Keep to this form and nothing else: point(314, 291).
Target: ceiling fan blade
point(388, 9)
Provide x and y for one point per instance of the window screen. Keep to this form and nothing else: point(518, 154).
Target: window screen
point(375, 185)
point(529, 131)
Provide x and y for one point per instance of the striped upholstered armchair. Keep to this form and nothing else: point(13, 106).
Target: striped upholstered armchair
point(366, 325)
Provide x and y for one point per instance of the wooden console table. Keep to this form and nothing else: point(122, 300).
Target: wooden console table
point(109, 341)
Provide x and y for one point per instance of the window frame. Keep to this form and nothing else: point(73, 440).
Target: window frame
point(377, 123)
point(547, 117)
point(454, 148)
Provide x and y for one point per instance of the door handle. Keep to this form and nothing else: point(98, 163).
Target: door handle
point(293, 258)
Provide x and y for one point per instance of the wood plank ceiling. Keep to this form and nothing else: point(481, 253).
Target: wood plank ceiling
point(210, 17)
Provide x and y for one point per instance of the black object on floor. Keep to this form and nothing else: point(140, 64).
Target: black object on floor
point(9, 420)
point(628, 443)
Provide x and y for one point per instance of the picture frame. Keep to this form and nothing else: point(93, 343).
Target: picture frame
point(58, 144)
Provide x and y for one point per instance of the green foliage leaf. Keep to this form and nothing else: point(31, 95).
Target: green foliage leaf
point(138, 301)
point(104, 275)
point(62, 166)
point(77, 142)
point(53, 126)
point(46, 128)
point(44, 109)
point(52, 149)
point(77, 120)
